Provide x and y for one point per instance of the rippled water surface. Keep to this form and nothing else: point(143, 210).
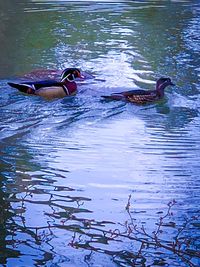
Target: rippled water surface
point(85, 182)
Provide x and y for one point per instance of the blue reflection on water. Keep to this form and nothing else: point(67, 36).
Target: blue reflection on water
point(68, 166)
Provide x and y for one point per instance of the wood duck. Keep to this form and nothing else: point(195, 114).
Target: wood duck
point(143, 96)
point(50, 89)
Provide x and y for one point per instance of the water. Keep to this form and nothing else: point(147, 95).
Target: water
point(69, 167)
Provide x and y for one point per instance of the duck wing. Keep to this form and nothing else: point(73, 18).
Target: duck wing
point(126, 94)
point(135, 92)
point(142, 99)
point(23, 87)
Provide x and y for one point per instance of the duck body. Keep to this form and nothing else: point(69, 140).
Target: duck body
point(50, 89)
point(143, 96)
point(47, 89)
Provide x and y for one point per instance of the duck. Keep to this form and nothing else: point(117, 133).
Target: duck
point(141, 96)
point(50, 89)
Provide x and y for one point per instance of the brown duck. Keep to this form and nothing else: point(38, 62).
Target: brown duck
point(143, 96)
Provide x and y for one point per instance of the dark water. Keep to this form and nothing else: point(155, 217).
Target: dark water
point(68, 166)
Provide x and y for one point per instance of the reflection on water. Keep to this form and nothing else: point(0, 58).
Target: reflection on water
point(85, 182)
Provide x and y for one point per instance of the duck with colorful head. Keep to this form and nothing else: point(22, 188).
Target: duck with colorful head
point(51, 89)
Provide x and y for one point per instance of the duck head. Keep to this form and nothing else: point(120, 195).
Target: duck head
point(70, 74)
point(163, 82)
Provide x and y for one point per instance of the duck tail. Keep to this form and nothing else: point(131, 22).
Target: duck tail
point(114, 97)
point(20, 87)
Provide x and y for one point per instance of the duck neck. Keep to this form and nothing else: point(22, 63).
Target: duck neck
point(70, 87)
point(70, 78)
point(160, 89)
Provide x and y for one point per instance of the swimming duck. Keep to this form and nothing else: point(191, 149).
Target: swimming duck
point(143, 96)
point(51, 88)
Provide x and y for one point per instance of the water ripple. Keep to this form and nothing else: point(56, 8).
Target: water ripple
point(79, 174)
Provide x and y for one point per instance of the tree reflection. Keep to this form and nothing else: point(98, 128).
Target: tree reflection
point(96, 236)
point(168, 46)
point(176, 244)
point(8, 248)
point(10, 15)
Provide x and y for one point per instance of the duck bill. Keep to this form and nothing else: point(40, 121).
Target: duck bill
point(172, 84)
point(81, 76)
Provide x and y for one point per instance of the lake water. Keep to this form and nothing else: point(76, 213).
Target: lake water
point(78, 173)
